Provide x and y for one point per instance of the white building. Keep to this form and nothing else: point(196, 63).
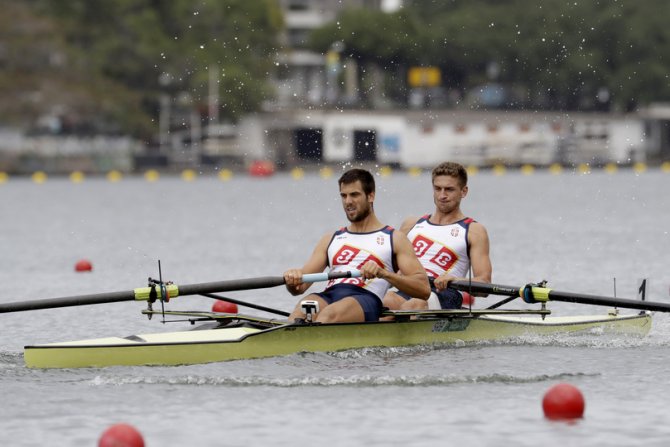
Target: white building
point(423, 139)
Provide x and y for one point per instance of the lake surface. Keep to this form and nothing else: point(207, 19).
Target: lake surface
point(579, 232)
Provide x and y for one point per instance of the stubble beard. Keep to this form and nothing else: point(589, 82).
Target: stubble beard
point(359, 216)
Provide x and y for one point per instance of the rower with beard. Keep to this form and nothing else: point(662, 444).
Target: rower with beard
point(376, 250)
point(446, 242)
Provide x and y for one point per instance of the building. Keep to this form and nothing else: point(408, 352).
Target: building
point(657, 128)
point(424, 138)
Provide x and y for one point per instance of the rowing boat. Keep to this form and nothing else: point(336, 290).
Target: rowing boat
point(232, 336)
point(235, 337)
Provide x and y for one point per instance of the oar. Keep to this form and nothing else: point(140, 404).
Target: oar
point(172, 291)
point(535, 294)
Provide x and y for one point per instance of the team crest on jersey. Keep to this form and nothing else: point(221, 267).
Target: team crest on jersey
point(380, 240)
point(454, 232)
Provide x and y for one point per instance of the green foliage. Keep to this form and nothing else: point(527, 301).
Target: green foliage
point(98, 62)
point(371, 36)
point(116, 51)
point(559, 53)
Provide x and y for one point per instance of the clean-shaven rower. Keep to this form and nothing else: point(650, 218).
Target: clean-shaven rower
point(446, 242)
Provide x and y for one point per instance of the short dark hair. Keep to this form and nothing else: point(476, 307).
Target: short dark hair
point(451, 169)
point(366, 179)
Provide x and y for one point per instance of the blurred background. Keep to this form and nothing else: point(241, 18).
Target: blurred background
point(124, 86)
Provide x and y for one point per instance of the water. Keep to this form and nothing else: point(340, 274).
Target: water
point(577, 231)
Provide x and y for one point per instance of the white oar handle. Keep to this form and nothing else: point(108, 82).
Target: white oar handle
point(325, 276)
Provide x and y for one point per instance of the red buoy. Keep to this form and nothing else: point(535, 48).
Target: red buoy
point(121, 435)
point(262, 168)
point(224, 307)
point(468, 300)
point(563, 402)
point(83, 265)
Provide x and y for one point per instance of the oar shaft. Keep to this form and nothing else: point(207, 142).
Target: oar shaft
point(81, 300)
point(539, 294)
point(326, 276)
point(231, 285)
point(145, 293)
point(258, 283)
point(482, 287)
point(605, 301)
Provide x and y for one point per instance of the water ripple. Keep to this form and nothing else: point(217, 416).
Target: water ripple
point(334, 381)
point(10, 361)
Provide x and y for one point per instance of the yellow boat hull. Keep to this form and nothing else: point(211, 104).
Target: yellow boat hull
point(233, 343)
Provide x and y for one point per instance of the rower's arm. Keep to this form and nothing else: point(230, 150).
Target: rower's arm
point(479, 253)
point(316, 264)
point(480, 260)
point(411, 278)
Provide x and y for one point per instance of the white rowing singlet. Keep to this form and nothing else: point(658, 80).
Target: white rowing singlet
point(442, 248)
point(347, 251)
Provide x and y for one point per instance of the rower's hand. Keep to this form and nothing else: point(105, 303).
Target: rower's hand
point(293, 277)
point(372, 270)
point(442, 281)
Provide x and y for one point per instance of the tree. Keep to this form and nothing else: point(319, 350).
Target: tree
point(372, 38)
point(113, 54)
point(557, 54)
